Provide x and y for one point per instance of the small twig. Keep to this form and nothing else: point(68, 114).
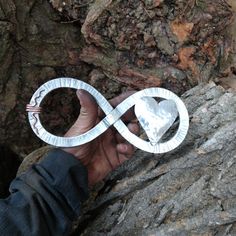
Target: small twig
point(145, 9)
point(69, 22)
point(191, 4)
point(83, 5)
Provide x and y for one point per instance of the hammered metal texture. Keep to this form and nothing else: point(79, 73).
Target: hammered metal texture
point(165, 108)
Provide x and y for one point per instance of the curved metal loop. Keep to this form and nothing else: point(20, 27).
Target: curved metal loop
point(112, 116)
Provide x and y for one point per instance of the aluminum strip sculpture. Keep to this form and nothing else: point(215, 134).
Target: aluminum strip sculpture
point(155, 118)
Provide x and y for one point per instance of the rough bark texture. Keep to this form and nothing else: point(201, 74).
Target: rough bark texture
point(34, 48)
point(115, 45)
point(170, 43)
point(189, 191)
point(137, 44)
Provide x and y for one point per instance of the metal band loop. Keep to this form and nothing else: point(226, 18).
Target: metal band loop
point(112, 116)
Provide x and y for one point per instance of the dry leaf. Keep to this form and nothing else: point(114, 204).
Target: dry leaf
point(208, 49)
point(182, 30)
point(186, 60)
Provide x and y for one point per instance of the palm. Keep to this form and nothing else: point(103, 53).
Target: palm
point(109, 150)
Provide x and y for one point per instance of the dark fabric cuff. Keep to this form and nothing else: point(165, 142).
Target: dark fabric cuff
point(67, 175)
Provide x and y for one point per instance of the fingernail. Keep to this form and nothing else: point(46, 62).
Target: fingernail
point(79, 92)
point(123, 147)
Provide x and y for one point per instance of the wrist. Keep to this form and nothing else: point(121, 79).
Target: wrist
point(72, 151)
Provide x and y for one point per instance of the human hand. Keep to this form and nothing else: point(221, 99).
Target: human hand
point(110, 149)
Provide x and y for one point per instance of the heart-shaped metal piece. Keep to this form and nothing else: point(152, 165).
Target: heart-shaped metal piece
point(155, 118)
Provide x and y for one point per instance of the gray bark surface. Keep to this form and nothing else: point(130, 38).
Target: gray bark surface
point(189, 191)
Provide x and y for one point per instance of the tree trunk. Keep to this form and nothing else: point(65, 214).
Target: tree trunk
point(117, 45)
point(189, 191)
point(113, 45)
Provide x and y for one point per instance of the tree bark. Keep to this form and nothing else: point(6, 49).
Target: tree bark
point(113, 45)
point(189, 191)
point(116, 45)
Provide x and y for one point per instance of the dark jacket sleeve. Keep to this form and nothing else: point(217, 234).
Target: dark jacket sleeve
point(46, 199)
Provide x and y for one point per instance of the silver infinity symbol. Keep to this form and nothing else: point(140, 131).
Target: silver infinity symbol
point(143, 99)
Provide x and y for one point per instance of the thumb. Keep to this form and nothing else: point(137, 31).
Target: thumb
point(88, 114)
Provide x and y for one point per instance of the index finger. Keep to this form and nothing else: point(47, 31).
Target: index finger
point(129, 115)
point(117, 100)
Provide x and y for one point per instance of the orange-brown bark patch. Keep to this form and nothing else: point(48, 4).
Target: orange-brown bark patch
point(182, 30)
point(186, 60)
